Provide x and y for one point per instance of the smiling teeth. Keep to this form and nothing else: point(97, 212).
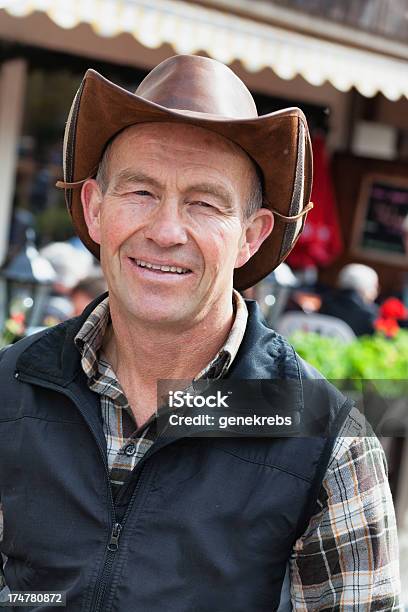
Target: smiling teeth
point(145, 264)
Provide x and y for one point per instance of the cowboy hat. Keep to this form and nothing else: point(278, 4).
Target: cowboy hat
point(203, 92)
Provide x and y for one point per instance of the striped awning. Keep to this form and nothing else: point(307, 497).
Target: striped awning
point(191, 28)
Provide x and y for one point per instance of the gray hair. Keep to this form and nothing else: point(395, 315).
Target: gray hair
point(102, 175)
point(358, 277)
point(255, 199)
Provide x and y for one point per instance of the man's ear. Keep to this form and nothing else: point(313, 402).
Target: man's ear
point(91, 198)
point(257, 229)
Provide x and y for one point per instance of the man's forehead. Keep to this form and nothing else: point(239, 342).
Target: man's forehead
point(182, 134)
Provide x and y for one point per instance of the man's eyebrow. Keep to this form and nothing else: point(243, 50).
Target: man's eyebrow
point(130, 176)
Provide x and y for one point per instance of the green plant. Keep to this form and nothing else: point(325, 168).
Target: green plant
point(324, 353)
point(372, 358)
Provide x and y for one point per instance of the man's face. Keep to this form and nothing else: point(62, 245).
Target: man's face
point(171, 224)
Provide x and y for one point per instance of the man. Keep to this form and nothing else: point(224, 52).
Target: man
point(353, 299)
point(183, 192)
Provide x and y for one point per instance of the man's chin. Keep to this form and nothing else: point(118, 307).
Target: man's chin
point(161, 316)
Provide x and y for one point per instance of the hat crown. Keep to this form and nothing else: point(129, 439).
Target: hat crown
point(200, 85)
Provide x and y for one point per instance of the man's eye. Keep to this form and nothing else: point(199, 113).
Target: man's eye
point(203, 204)
point(143, 192)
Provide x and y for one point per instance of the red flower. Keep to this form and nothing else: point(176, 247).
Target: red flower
point(393, 308)
point(18, 317)
point(387, 326)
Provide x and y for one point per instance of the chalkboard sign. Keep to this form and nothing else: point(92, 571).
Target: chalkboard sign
point(381, 210)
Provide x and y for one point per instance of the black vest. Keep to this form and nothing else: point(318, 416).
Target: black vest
point(204, 525)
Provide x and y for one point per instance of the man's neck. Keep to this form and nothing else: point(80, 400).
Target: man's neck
point(142, 354)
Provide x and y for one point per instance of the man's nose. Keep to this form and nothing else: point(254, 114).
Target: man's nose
point(166, 227)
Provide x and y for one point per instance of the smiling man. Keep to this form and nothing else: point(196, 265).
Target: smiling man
point(185, 195)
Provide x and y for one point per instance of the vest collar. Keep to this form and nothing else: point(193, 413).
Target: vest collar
point(53, 355)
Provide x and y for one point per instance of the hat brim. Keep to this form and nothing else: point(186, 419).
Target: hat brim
point(278, 142)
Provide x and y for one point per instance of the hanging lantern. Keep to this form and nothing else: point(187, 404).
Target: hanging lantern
point(26, 282)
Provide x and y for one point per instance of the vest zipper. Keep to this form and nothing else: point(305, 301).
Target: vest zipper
point(100, 587)
point(115, 535)
point(111, 550)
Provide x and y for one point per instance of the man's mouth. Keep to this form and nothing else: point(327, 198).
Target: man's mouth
point(160, 267)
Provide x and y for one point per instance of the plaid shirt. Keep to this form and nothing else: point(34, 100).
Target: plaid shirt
point(347, 559)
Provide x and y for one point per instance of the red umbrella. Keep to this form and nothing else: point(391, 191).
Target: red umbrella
point(321, 240)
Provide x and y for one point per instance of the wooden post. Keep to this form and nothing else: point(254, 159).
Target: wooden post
point(12, 89)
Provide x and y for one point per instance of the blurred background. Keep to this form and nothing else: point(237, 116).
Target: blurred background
point(342, 295)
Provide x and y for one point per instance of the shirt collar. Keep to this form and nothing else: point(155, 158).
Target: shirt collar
point(90, 338)
point(220, 364)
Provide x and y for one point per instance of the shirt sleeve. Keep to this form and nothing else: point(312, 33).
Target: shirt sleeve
point(347, 559)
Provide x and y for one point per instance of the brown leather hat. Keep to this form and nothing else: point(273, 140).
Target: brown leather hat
point(206, 93)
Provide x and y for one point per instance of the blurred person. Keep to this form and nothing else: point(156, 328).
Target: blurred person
point(85, 291)
point(304, 296)
point(353, 299)
point(71, 266)
point(187, 197)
